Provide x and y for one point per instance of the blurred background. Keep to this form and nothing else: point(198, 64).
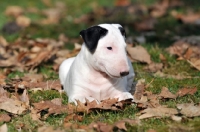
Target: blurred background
point(158, 22)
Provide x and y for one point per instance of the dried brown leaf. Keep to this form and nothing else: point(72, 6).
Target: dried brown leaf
point(186, 91)
point(158, 112)
point(178, 76)
point(139, 89)
point(188, 53)
point(195, 62)
point(57, 101)
point(189, 109)
point(162, 57)
point(73, 117)
point(4, 118)
point(12, 105)
point(49, 129)
point(24, 97)
point(191, 18)
point(53, 15)
point(122, 2)
point(165, 93)
point(39, 58)
point(108, 104)
point(151, 130)
point(139, 53)
point(48, 85)
point(14, 11)
point(154, 67)
point(33, 78)
point(3, 42)
point(35, 115)
point(101, 127)
point(51, 107)
point(147, 24)
point(159, 9)
point(23, 21)
point(122, 123)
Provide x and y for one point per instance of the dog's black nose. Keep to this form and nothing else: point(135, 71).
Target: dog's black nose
point(123, 73)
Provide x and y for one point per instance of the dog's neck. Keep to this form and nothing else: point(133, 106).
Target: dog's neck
point(87, 59)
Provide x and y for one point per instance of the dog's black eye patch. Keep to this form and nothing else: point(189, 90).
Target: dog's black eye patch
point(92, 35)
point(109, 48)
point(122, 30)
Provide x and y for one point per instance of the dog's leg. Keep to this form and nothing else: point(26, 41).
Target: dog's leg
point(124, 96)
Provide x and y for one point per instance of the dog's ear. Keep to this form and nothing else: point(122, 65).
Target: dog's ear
point(92, 35)
point(123, 32)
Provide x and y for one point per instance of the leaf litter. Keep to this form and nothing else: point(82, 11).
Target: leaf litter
point(26, 54)
point(146, 101)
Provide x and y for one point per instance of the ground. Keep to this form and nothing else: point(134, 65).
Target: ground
point(154, 25)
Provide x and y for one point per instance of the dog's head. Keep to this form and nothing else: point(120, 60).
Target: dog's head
point(107, 47)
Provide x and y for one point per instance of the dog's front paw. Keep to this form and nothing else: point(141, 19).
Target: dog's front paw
point(82, 99)
point(124, 96)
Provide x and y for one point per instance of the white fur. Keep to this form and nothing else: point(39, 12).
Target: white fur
point(97, 76)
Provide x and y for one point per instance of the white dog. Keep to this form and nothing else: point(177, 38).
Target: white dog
point(102, 69)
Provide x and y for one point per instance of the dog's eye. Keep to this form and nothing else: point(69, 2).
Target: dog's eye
point(109, 48)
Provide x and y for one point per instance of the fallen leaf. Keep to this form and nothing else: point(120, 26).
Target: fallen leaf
point(101, 127)
point(159, 9)
point(57, 101)
point(25, 98)
point(3, 41)
point(73, 117)
point(48, 85)
point(53, 15)
point(191, 18)
point(188, 47)
point(139, 53)
point(147, 24)
point(35, 115)
point(195, 62)
point(186, 91)
point(33, 78)
point(49, 129)
point(162, 57)
point(188, 53)
point(23, 21)
point(14, 11)
point(158, 112)
point(151, 130)
point(165, 93)
point(4, 118)
point(12, 105)
point(178, 76)
point(154, 67)
point(50, 107)
point(122, 2)
point(139, 89)
point(108, 104)
point(189, 109)
point(122, 123)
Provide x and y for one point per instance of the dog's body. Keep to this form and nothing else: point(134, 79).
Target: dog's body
point(102, 69)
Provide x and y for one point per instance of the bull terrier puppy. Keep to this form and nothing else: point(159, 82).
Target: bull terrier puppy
point(102, 69)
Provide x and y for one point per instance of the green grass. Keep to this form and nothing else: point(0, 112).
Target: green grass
point(155, 47)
